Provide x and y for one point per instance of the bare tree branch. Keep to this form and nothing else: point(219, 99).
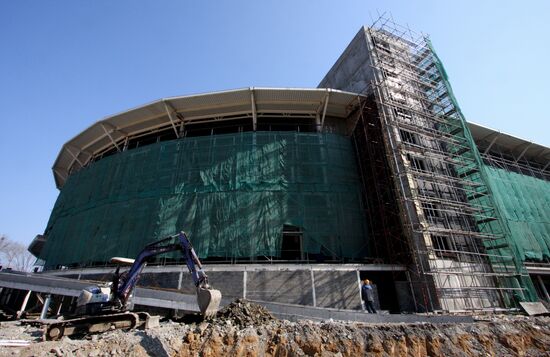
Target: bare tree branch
point(15, 255)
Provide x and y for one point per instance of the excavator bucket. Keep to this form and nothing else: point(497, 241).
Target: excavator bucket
point(208, 301)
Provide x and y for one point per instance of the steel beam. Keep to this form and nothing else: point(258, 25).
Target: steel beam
point(63, 175)
point(114, 128)
point(75, 156)
point(171, 119)
point(79, 150)
point(523, 152)
point(110, 136)
point(491, 143)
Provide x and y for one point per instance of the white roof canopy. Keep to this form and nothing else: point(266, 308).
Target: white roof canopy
point(492, 140)
point(111, 132)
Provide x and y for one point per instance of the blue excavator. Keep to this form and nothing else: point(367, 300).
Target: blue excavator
point(106, 307)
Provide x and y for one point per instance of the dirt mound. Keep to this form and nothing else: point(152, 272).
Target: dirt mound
point(242, 312)
point(499, 336)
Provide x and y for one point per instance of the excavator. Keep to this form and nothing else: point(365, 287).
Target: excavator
point(109, 306)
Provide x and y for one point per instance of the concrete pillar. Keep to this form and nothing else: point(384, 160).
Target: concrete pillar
point(176, 311)
point(24, 304)
point(359, 285)
point(46, 306)
point(60, 305)
point(313, 288)
point(179, 280)
point(244, 284)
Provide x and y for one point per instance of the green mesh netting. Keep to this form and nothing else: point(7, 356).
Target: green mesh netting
point(232, 193)
point(481, 175)
point(525, 204)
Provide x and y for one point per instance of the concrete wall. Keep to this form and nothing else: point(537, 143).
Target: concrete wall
point(321, 288)
point(352, 71)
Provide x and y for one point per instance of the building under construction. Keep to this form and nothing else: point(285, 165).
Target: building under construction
point(295, 195)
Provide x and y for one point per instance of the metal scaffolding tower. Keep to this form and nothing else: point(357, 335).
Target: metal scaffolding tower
point(462, 258)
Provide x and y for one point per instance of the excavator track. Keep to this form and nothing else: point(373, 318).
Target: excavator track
point(93, 324)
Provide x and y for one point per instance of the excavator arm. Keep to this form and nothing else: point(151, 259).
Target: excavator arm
point(208, 299)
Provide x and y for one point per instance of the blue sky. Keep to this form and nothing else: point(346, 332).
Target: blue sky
point(67, 64)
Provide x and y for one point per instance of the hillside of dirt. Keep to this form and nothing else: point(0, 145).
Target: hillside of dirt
point(245, 329)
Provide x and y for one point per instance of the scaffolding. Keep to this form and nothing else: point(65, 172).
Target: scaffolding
point(462, 257)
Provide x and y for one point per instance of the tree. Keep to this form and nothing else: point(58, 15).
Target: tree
point(15, 255)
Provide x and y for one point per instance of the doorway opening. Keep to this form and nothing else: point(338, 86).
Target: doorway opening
point(292, 243)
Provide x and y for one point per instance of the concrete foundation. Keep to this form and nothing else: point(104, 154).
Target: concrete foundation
point(323, 285)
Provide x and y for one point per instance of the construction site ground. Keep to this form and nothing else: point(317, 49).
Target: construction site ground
point(246, 329)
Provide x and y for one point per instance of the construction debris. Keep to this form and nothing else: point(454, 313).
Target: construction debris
point(534, 308)
point(13, 343)
point(243, 313)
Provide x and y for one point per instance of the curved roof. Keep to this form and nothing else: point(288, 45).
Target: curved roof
point(487, 139)
point(111, 132)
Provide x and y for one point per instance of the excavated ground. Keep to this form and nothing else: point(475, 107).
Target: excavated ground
point(246, 329)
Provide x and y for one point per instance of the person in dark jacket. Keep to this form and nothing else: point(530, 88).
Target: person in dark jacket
point(368, 296)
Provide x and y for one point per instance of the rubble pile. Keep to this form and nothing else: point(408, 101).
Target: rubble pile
point(245, 313)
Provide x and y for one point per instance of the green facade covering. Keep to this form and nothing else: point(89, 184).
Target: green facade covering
point(232, 193)
point(524, 201)
point(508, 253)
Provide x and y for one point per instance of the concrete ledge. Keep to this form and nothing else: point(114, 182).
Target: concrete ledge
point(298, 312)
point(71, 287)
point(239, 268)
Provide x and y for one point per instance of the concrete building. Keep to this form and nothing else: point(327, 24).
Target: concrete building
point(295, 195)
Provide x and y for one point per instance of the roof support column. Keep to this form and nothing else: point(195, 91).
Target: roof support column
point(254, 114)
point(522, 153)
point(61, 173)
point(318, 122)
point(325, 110)
point(182, 125)
point(79, 152)
point(75, 157)
point(491, 144)
point(171, 119)
point(110, 136)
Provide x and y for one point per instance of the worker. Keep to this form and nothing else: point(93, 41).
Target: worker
point(368, 296)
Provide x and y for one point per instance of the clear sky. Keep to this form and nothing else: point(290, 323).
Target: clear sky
point(65, 64)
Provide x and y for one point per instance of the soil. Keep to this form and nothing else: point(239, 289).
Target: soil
point(243, 313)
point(247, 329)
